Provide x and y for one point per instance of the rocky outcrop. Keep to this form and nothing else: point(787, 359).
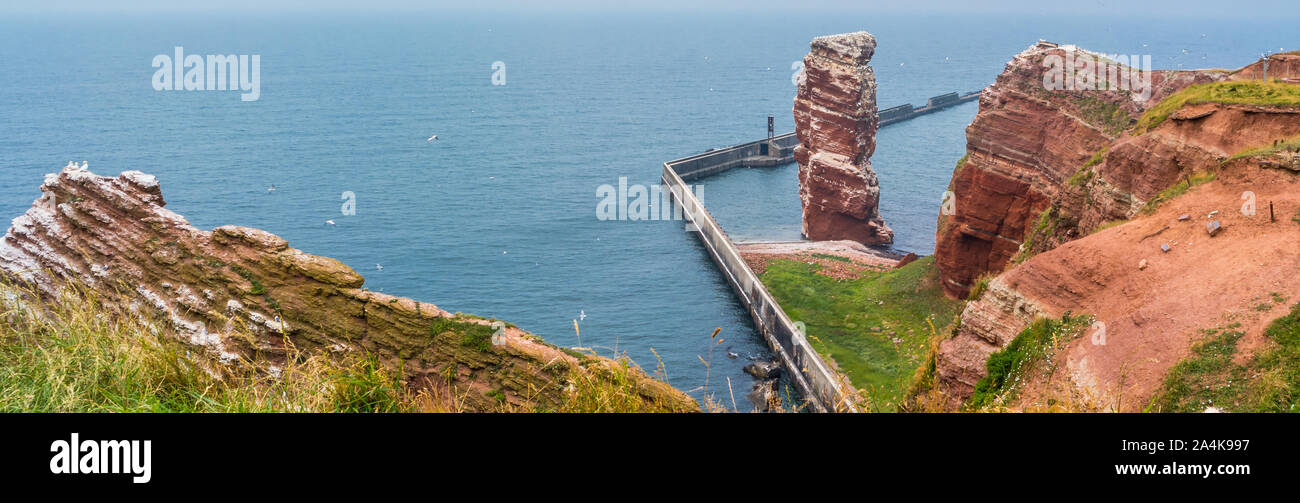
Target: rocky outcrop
point(986, 326)
point(1152, 282)
point(238, 293)
point(835, 120)
point(1285, 66)
point(1025, 143)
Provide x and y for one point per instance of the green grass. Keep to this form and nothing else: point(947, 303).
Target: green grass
point(1085, 173)
point(842, 317)
point(1108, 116)
point(1034, 344)
point(1268, 382)
point(1289, 144)
point(74, 354)
point(836, 258)
point(1246, 92)
point(1177, 189)
point(471, 334)
point(981, 286)
point(1049, 221)
point(71, 355)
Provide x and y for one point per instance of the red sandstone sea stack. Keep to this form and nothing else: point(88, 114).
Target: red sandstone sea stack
point(835, 119)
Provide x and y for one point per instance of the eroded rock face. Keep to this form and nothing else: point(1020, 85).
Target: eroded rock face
point(1285, 66)
point(1023, 146)
point(835, 120)
point(987, 325)
point(1027, 153)
point(115, 236)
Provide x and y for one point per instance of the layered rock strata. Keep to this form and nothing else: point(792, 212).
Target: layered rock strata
point(835, 120)
point(215, 288)
point(1023, 147)
point(1045, 170)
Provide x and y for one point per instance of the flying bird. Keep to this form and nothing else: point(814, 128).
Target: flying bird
point(431, 138)
point(270, 189)
point(329, 222)
point(379, 267)
point(582, 315)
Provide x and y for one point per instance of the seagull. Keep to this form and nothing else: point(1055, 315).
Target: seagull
point(582, 315)
point(84, 166)
point(732, 355)
point(329, 222)
point(379, 267)
point(431, 138)
point(270, 189)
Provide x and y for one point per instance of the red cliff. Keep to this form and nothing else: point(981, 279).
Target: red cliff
point(1047, 169)
point(835, 119)
point(1023, 146)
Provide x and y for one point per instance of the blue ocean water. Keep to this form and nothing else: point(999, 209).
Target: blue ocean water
point(498, 217)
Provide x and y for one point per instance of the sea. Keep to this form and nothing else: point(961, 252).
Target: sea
point(534, 112)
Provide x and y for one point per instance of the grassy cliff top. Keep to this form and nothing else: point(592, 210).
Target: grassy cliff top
point(1273, 93)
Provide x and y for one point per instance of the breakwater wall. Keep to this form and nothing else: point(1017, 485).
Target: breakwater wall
point(779, 150)
point(773, 151)
point(894, 115)
point(811, 375)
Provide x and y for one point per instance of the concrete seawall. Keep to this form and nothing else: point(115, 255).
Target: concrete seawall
point(779, 150)
point(810, 374)
point(906, 111)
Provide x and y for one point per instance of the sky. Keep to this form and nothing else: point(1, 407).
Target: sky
point(1181, 8)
